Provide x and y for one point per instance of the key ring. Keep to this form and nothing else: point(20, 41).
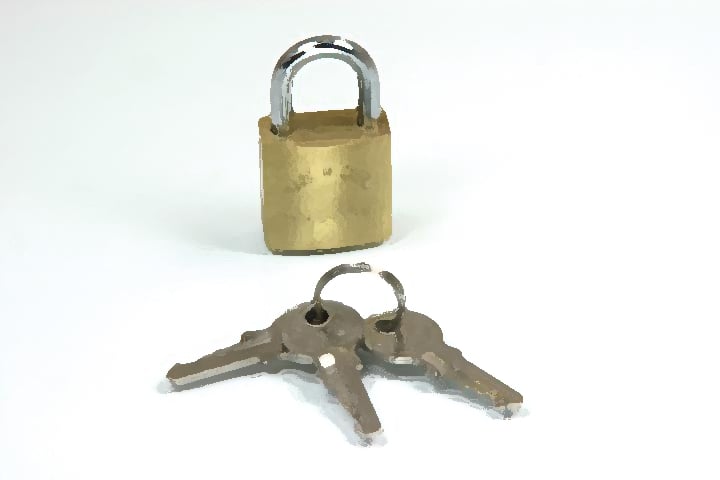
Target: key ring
point(318, 315)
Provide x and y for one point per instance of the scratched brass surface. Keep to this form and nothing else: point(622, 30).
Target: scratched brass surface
point(327, 184)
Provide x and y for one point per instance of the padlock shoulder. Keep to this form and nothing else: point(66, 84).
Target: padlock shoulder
point(324, 128)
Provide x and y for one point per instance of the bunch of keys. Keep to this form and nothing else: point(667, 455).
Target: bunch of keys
point(328, 335)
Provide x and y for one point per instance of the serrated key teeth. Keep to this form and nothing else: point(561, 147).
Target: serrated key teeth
point(508, 410)
point(174, 375)
point(509, 397)
point(371, 439)
point(261, 347)
point(338, 371)
point(513, 408)
point(369, 429)
point(185, 373)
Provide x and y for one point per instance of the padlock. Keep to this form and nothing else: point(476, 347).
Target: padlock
point(326, 176)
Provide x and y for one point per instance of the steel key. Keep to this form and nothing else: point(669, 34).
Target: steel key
point(325, 335)
point(408, 337)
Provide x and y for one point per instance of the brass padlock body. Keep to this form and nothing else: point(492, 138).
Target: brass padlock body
point(326, 183)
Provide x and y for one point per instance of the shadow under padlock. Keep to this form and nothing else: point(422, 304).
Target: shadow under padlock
point(326, 176)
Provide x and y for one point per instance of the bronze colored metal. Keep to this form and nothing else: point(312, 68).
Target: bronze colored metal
point(327, 341)
point(404, 337)
point(327, 185)
point(417, 340)
point(326, 335)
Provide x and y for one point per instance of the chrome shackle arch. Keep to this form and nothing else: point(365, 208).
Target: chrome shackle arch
point(314, 48)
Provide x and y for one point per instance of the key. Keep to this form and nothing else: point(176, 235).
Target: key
point(325, 334)
point(411, 338)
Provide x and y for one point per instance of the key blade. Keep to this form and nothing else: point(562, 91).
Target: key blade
point(452, 366)
point(339, 369)
point(418, 340)
point(254, 347)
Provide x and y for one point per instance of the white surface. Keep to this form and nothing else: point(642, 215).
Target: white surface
point(561, 158)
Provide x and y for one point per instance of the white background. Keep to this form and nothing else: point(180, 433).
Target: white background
point(557, 211)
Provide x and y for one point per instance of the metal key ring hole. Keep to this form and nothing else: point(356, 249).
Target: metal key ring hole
point(317, 318)
point(385, 325)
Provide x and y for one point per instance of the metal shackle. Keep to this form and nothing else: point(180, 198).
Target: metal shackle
point(314, 48)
